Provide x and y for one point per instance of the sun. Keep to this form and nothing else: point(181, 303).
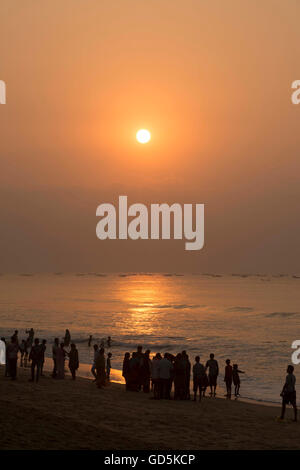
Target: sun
point(143, 136)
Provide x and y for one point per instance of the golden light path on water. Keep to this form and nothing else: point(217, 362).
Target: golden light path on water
point(143, 300)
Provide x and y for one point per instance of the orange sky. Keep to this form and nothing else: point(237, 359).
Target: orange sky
point(211, 80)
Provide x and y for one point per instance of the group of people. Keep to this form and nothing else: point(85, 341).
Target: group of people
point(101, 367)
point(32, 352)
point(103, 342)
point(161, 373)
point(60, 355)
point(141, 373)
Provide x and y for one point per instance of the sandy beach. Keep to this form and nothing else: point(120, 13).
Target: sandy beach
point(66, 415)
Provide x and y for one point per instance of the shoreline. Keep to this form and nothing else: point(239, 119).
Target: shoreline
point(116, 374)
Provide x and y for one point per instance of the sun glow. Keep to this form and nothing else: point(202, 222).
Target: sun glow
point(143, 136)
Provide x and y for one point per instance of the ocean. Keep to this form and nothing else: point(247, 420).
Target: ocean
point(250, 319)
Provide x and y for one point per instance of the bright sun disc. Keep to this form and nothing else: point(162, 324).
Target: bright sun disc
point(143, 136)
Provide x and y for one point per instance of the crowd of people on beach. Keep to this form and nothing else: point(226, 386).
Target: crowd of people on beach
point(159, 375)
point(32, 353)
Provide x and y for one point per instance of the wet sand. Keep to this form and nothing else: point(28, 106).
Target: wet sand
point(66, 415)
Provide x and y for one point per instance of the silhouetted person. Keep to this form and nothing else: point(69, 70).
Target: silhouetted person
point(146, 371)
point(93, 368)
point(35, 357)
point(289, 393)
point(139, 352)
point(15, 336)
point(155, 376)
point(30, 337)
point(12, 356)
point(26, 354)
point(213, 372)
point(236, 379)
point(67, 338)
point(108, 365)
point(228, 378)
point(171, 358)
point(139, 356)
point(165, 369)
point(100, 368)
point(126, 369)
point(54, 354)
point(22, 349)
point(60, 361)
point(185, 358)
point(109, 342)
point(134, 373)
point(43, 350)
point(73, 360)
point(179, 377)
point(199, 378)
point(2, 351)
point(90, 341)
point(6, 373)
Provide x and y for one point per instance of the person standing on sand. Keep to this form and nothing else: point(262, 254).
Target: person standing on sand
point(171, 358)
point(90, 340)
point(140, 359)
point(60, 361)
point(155, 376)
point(146, 372)
point(22, 348)
point(35, 357)
point(54, 352)
point(15, 335)
point(12, 357)
point(187, 363)
point(165, 370)
point(73, 360)
point(213, 372)
point(25, 354)
point(6, 373)
point(134, 370)
point(108, 366)
point(100, 368)
point(30, 337)
point(43, 349)
point(93, 368)
point(288, 393)
point(228, 378)
point(236, 379)
point(199, 378)
point(2, 351)
point(179, 377)
point(126, 369)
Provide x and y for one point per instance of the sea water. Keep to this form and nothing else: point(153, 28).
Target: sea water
point(250, 319)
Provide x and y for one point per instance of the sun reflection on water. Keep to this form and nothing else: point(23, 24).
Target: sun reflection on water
point(142, 298)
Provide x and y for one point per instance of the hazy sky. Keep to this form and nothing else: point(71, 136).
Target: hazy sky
point(211, 80)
